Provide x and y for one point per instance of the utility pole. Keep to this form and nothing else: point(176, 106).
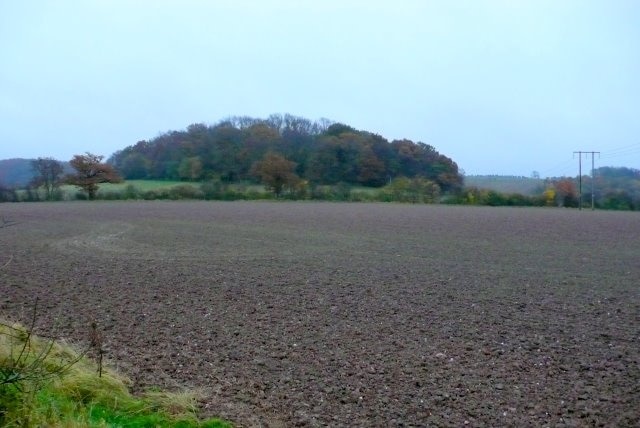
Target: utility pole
point(579, 179)
point(593, 173)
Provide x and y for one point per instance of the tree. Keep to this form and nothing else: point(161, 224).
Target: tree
point(134, 166)
point(371, 170)
point(90, 171)
point(276, 172)
point(190, 168)
point(335, 160)
point(566, 193)
point(48, 175)
point(549, 196)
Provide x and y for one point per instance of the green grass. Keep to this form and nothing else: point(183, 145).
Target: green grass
point(75, 396)
point(146, 185)
point(140, 185)
point(143, 185)
point(506, 184)
point(163, 189)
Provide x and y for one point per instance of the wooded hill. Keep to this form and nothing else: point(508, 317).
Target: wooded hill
point(323, 152)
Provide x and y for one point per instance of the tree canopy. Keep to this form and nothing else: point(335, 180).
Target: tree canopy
point(276, 173)
point(322, 152)
point(90, 171)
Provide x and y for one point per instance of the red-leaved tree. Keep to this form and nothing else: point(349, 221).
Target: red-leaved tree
point(90, 171)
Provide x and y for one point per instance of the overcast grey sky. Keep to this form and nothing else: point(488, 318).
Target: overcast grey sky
point(501, 87)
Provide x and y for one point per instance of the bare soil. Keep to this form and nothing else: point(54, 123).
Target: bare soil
point(321, 314)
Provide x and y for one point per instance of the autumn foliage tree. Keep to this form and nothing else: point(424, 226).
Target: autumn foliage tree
point(90, 171)
point(566, 193)
point(276, 173)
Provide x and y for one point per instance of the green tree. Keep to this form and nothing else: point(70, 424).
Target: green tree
point(335, 160)
point(90, 171)
point(134, 166)
point(276, 173)
point(190, 168)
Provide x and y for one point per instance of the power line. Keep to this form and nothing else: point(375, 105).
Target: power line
point(625, 153)
point(623, 148)
point(630, 149)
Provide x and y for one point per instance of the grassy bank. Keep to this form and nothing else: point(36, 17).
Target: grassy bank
point(47, 383)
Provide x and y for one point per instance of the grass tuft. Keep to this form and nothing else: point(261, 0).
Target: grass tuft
point(58, 386)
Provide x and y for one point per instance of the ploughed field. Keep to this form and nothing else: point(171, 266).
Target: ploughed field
point(315, 314)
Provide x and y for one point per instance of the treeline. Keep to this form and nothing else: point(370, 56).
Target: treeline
point(318, 153)
point(614, 188)
point(417, 190)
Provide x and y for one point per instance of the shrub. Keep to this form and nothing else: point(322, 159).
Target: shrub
point(212, 190)
point(414, 190)
point(185, 191)
point(130, 192)
point(155, 194)
point(341, 192)
point(109, 196)
point(8, 195)
point(619, 200)
point(360, 196)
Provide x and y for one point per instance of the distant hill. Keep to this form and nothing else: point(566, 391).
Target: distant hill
point(506, 184)
point(15, 172)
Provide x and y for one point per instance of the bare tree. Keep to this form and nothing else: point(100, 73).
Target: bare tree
point(48, 175)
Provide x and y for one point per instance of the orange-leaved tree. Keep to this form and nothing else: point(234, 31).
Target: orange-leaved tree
point(566, 193)
point(90, 171)
point(276, 173)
